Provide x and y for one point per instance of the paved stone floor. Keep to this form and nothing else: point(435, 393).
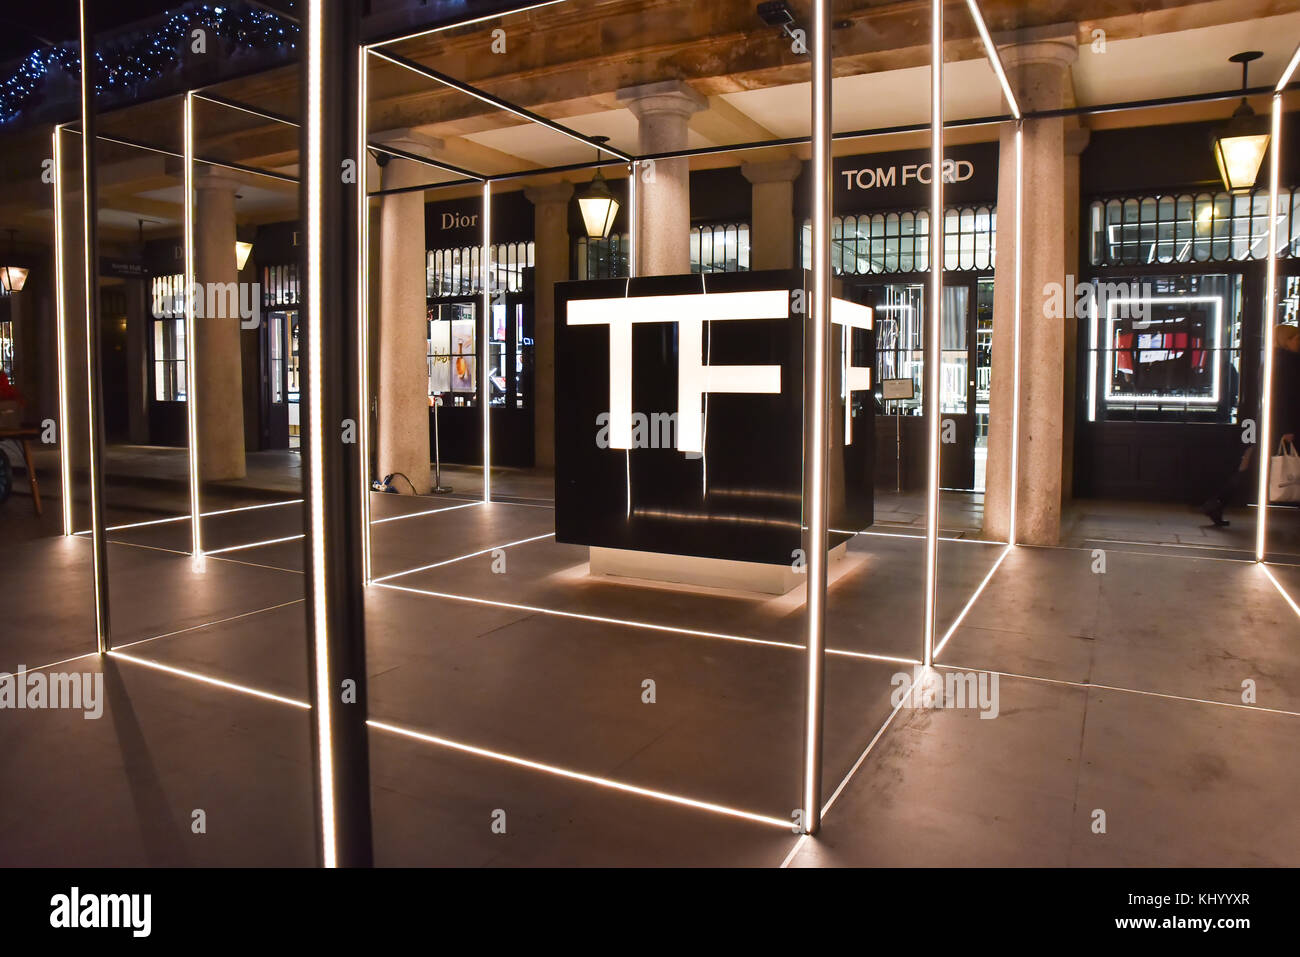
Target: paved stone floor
point(520, 690)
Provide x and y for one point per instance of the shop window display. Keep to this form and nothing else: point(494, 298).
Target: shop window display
point(1168, 348)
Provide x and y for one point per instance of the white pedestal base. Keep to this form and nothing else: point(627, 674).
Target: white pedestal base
point(705, 572)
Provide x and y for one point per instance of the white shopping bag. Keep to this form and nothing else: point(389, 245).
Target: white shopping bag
point(1284, 474)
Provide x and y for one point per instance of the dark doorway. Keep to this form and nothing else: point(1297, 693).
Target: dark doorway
point(115, 363)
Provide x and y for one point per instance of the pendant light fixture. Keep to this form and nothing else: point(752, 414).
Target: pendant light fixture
point(13, 278)
point(1240, 146)
point(597, 204)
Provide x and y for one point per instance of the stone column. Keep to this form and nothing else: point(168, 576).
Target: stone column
point(550, 265)
point(1039, 69)
point(402, 380)
point(772, 230)
point(664, 210)
point(218, 371)
point(1076, 141)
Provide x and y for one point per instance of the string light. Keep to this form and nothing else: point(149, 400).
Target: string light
point(127, 63)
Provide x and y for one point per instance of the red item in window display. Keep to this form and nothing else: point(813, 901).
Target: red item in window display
point(7, 392)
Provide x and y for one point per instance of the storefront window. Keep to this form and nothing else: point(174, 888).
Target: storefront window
point(955, 354)
point(718, 247)
point(900, 342)
point(1165, 348)
point(168, 297)
point(880, 243)
point(1201, 227)
point(6, 335)
point(169, 360)
point(7, 348)
point(458, 272)
point(1288, 302)
point(280, 286)
point(723, 248)
point(281, 289)
point(275, 355)
point(453, 353)
point(602, 258)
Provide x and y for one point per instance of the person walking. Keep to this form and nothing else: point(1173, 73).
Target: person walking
point(1284, 409)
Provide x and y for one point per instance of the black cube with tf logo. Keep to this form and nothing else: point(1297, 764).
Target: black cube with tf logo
point(680, 420)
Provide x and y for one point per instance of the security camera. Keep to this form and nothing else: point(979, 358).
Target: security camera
point(775, 13)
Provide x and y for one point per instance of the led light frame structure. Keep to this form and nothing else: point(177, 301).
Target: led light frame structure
point(931, 650)
point(1270, 318)
point(815, 401)
point(1013, 497)
point(191, 339)
point(363, 307)
point(60, 335)
point(485, 371)
point(933, 340)
point(90, 274)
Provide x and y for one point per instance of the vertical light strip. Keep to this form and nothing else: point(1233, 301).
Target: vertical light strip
point(932, 354)
point(90, 274)
point(485, 369)
point(815, 395)
point(191, 338)
point(1015, 389)
point(60, 336)
point(633, 219)
point(314, 66)
point(1270, 317)
point(363, 306)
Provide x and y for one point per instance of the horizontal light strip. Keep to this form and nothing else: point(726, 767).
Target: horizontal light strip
point(863, 756)
point(1287, 73)
point(461, 87)
point(970, 604)
point(646, 625)
point(462, 23)
point(1120, 551)
point(216, 682)
point(968, 541)
point(1281, 591)
point(1149, 694)
point(469, 748)
point(241, 108)
point(432, 511)
point(1207, 547)
point(186, 517)
point(452, 561)
point(697, 307)
point(240, 548)
point(803, 839)
point(55, 664)
point(576, 775)
point(210, 624)
point(994, 59)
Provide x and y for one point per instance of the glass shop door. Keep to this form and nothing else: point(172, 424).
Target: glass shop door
point(901, 317)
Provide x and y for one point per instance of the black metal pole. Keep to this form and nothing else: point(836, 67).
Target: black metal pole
point(94, 387)
point(332, 469)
